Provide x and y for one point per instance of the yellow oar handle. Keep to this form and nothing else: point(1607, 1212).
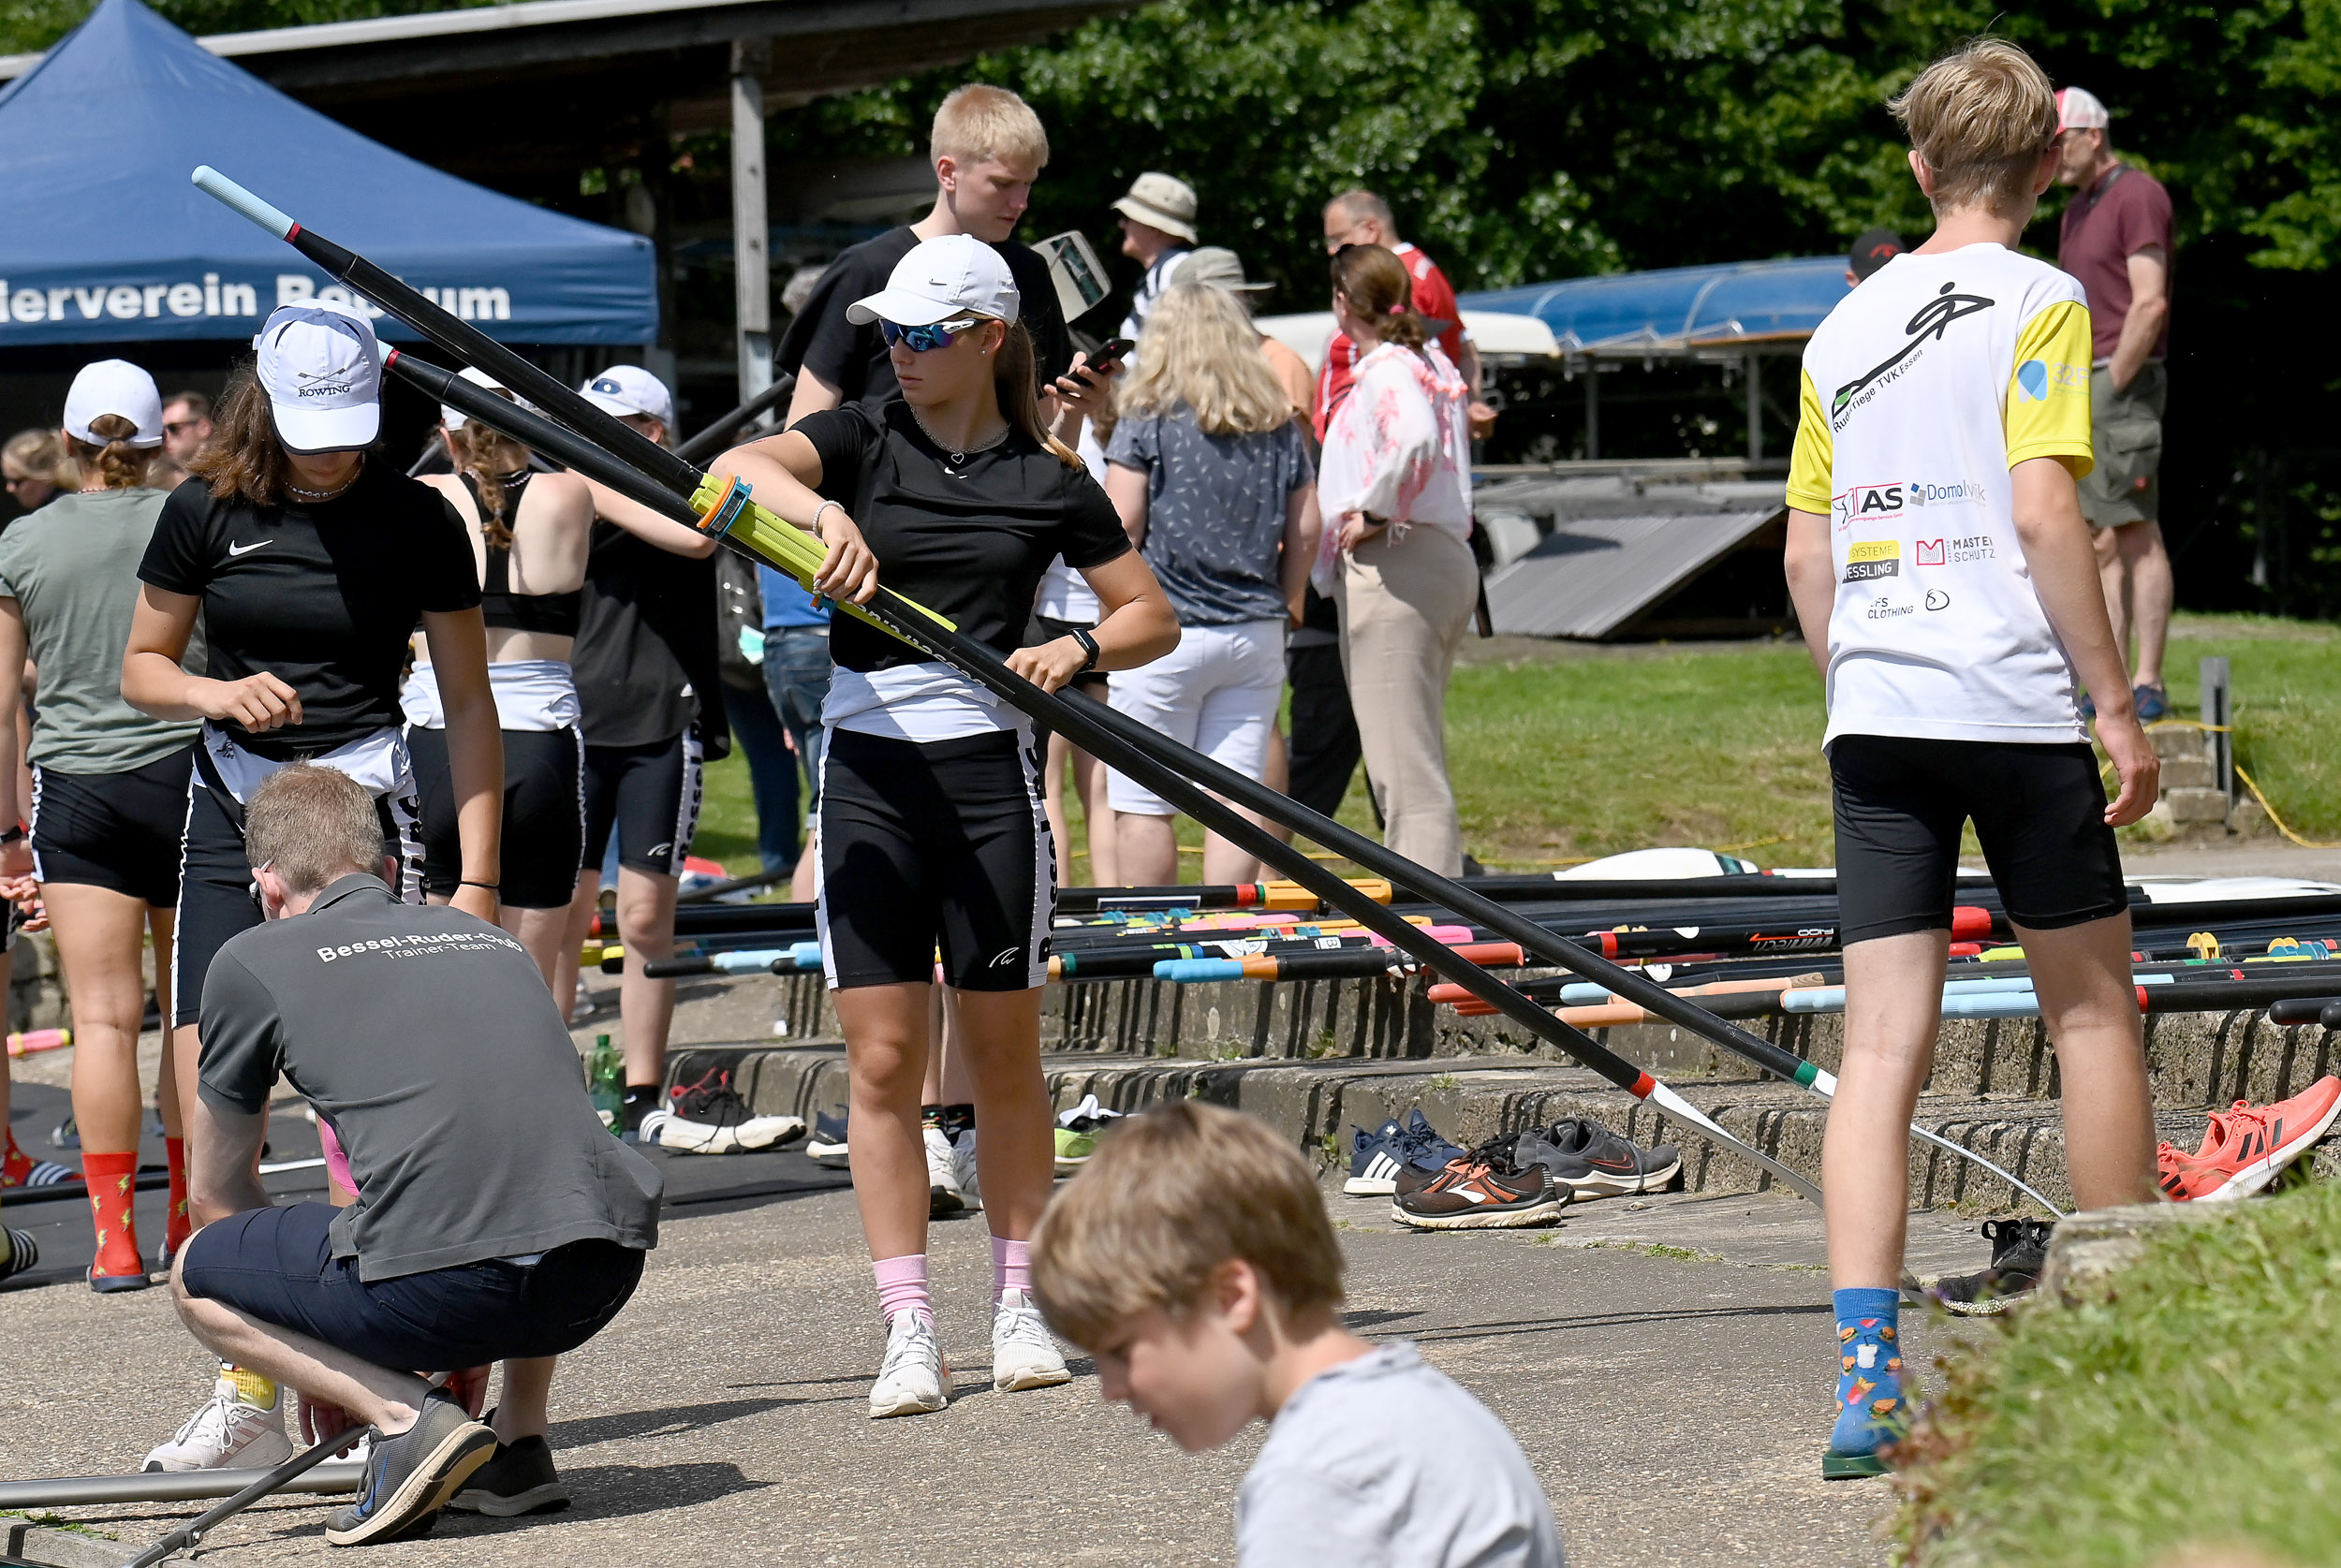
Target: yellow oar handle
point(725, 509)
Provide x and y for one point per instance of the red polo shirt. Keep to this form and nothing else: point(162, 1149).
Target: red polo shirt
point(1434, 300)
point(2121, 213)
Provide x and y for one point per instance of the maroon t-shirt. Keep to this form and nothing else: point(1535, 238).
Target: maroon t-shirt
point(2123, 213)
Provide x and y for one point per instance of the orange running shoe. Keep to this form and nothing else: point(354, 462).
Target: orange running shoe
point(2244, 1149)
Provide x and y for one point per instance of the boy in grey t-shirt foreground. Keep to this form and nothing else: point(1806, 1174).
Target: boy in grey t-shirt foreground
point(1204, 1314)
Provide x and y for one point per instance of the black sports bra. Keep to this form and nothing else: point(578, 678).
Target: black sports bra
point(556, 614)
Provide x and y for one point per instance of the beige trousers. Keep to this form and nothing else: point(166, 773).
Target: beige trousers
point(1404, 605)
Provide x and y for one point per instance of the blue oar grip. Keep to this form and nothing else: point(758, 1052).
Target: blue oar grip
point(1189, 972)
point(212, 182)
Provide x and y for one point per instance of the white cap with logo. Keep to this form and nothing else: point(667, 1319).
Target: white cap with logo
point(114, 387)
point(956, 274)
point(322, 370)
point(624, 390)
point(2078, 109)
point(1161, 201)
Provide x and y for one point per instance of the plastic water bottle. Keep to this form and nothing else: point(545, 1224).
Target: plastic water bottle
point(605, 1079)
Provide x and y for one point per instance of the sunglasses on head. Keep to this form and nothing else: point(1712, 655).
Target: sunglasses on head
point(923, 340)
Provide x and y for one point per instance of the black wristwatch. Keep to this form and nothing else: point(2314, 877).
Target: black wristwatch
point(1089, 645)
point(14, 835)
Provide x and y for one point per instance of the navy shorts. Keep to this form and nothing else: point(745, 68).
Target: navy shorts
point(278, 1264)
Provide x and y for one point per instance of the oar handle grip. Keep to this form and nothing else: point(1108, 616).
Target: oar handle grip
point(212, 182)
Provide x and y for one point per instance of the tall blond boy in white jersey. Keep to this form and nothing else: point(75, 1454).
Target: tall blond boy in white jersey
point(1948, 590)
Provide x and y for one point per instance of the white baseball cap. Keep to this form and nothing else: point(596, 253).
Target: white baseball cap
point(1161, 201)
point(114, 387)
point(322, 370)
point(2079, 109)
point(624, 390)
point(956, 274)
point(455, 418)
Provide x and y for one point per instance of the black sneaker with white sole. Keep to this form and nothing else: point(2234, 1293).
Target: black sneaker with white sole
point(1591, 1161)
point(408, 1478)
point(2018, 1253)
point(519, 1479)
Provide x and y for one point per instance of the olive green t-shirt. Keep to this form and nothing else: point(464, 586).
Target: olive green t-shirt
point(73, 566)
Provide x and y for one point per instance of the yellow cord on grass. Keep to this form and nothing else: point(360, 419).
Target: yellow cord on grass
point(2249, 783)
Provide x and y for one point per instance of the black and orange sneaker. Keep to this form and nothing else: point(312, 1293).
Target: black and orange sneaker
point(1471, 1195)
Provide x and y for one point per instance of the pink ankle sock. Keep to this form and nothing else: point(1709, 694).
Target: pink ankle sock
point(1011, 1267)
point(902, 1281)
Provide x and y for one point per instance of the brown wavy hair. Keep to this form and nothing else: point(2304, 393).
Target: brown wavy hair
point(117, 464)
point(245, 460)
point(488, 456)
point(1016, 384)
point(1374, 284)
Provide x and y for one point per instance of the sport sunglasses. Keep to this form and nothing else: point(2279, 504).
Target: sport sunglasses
point(923, 340)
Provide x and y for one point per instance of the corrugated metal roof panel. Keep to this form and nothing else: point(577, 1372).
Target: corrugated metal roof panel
point(1592, 574)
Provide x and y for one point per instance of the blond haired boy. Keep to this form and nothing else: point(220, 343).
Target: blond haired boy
point(1948, 593)
point(1192, 1257)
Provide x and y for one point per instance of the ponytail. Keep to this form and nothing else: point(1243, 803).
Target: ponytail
point(488, 456)
point(117, 464)
point(1014, 381)
point(1376, 286)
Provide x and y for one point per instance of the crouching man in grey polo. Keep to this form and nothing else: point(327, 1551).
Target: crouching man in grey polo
point(496, 1219)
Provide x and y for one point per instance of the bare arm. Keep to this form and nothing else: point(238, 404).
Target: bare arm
point(2063, 563)
point(656, 527)
point(557, 555)
point(1304, 525)
point(1469, 366)
point(12, 646)
point(152, 683)
point(1137, 628)
point(2149, 311)
point(223, 1157)
point(813, 396)
point(1812, 582)
point(1126, 487)
point(475, 748)
point(783, 469)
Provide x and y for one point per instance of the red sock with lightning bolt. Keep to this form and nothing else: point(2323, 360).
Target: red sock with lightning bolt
point(112, 1185)
point(177, 1226)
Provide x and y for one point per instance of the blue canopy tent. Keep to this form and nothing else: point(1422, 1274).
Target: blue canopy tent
point(111, 245)
point(1680, 309)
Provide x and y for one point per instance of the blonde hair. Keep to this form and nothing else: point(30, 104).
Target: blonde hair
point(978, 122)
point(1169, 1197)
point(1015, 383)
point(1202, 350)
point(117, 464)
point(312, 826)
point(39, 454)
point(1980, 119)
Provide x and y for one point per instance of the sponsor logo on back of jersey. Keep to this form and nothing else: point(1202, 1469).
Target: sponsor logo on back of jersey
point(2037, 379)
point(1929, 552)
point(1930, 320)
point(1873, 558)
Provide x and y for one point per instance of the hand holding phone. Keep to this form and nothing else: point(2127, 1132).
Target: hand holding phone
point(1110, 354)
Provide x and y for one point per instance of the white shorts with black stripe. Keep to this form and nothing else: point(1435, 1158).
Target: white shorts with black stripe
point(941, 846)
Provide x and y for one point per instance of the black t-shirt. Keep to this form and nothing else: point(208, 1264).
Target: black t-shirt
point(323, 597)
point(854, 358)
point(968, 542)
point(644, 658)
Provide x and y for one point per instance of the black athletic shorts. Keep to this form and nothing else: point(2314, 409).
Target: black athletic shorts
point(544, 815)
point(2038, 811)
point(114, 830)
point(216, 897)
point(651, 795)
point(942, 844)
point(278, 1264)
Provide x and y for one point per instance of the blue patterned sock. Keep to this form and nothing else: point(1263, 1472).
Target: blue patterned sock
point(1869, 1387)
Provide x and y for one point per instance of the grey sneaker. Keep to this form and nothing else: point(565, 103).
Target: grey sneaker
point(408, 1478)
point(1591, 1161)
point(520, 1479)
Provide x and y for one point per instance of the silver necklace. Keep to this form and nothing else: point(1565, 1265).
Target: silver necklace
point(960, 456)
point(317, 495)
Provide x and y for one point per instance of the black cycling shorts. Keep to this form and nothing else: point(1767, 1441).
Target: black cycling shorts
point(2038, 811)
point(113, 830)
point(650, 795)
point(544, 815)
point(944, 845)
point(217, 900)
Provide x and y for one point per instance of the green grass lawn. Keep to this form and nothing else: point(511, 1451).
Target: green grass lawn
point(2190, 1410)
point(1564, 753)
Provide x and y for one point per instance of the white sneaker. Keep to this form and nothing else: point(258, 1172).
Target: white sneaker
point(963, 1168)
point(669, 1130)
point(910, 1382)
point(945, 1196)
point(1023, 1356)
point(226, 1433)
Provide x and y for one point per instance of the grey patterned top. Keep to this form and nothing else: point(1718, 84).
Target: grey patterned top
point(1215, 512)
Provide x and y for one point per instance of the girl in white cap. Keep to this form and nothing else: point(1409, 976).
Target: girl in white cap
point(527, 533)
point(110, 786)
point(932, 829)
point(309, 564)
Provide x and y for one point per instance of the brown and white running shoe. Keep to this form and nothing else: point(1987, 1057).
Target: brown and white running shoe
point(1472, 1196)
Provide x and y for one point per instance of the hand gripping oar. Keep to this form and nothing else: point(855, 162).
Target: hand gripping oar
point(924, 630)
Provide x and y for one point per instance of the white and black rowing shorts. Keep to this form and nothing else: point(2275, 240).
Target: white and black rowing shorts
point(650, 797)
point(544, 815)
point(113, 830)
point(944, 846)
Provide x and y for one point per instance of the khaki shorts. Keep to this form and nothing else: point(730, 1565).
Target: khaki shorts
point(2126, 432)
